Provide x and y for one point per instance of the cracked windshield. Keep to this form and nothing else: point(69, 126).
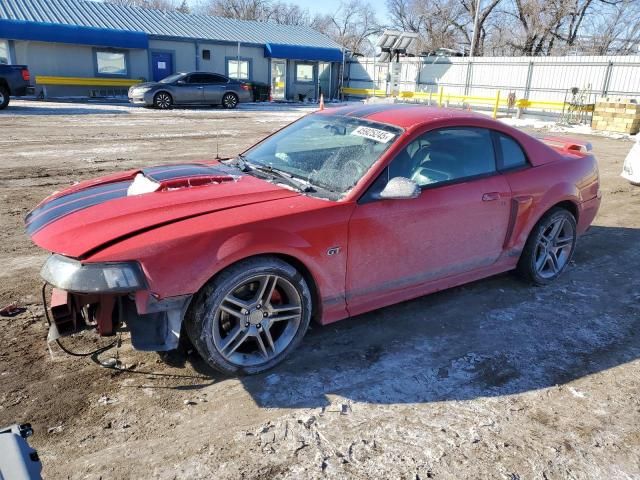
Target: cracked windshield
point(329, 153)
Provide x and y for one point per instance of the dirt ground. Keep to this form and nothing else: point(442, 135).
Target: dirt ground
point(495, 379)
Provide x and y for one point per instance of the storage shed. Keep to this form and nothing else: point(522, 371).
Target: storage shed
point(89, 48)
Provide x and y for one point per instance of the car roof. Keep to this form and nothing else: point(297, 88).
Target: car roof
point(403, 115)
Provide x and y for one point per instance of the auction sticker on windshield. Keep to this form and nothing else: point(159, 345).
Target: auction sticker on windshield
point(373, 134)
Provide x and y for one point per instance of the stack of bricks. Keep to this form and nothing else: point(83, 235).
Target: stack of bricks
point(616, 116)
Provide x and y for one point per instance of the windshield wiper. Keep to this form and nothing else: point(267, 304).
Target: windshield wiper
point(241, 162)
point(245, 166)
point(289, 179)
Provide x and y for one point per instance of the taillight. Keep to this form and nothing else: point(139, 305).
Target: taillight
point(26, 76)
point(244, 86)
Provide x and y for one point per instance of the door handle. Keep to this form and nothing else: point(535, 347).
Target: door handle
point(200, 88)
point(490, 197)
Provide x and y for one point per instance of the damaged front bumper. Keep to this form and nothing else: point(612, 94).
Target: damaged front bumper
point(109, 296)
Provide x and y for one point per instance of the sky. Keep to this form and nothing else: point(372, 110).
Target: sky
point(315, 6)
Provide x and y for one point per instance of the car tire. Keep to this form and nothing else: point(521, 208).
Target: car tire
point(250, 316)
point(230, 100)
point(163, 100)
point(549, 248)
point(4, 97)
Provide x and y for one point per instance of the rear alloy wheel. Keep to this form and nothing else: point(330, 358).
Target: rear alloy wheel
point(549, 248)
point(229, 100)
point(163, 101)
point(4, 97)
point(250, 316)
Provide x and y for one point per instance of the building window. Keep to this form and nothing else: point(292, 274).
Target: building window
point(5, 58)
point(304, 73)
point(238, 69)
point(206, 54)
point(111, 63)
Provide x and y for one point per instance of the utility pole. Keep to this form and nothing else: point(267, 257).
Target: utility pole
point(475, 28)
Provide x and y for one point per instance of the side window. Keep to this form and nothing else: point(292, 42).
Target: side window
point(196, 78)
point(512, 154)
point(219, 79)
point(445, 155)
point(208, 78)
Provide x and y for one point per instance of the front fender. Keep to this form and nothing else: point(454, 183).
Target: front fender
point(178, 259)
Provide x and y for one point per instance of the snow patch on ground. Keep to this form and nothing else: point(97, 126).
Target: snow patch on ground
point(556, 127)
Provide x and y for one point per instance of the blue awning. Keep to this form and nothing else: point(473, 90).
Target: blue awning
point(53, 32)
point(297, 52)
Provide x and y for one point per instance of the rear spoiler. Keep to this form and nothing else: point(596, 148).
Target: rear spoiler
point(568, 145)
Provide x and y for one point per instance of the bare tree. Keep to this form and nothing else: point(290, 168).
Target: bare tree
point(259, 10)
point(477, 36)
point(614, 29)
point(535, 25)
point(288, 14)
point(184, 7)
point(239, 9)
point(442, 23)
point(352, 26)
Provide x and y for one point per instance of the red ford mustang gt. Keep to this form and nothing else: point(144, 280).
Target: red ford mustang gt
point(342, 212)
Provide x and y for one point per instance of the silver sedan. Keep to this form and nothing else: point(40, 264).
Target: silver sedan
point(195, 88)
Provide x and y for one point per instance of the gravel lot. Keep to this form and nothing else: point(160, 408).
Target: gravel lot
point(495, 379)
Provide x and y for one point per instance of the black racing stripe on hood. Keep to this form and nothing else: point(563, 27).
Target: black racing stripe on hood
point(89, 197)
point(172, 172)
point(59, 207)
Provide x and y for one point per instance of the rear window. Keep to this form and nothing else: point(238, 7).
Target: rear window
point(512, 154)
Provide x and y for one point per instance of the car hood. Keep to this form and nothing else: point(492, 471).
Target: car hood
point(90, 215)
point(146, 85)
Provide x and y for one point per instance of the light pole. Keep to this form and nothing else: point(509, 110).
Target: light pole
point(475, 27)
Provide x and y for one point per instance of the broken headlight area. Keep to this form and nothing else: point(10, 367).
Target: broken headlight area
point(110, 297)
point(73, 312)
point(154, 324)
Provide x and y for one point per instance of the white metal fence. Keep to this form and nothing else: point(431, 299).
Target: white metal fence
point(532, 78)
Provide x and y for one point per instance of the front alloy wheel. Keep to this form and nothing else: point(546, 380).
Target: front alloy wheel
point(163, 101)
point(250, 316)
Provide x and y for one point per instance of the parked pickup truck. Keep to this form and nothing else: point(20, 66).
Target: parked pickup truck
point(14, 80)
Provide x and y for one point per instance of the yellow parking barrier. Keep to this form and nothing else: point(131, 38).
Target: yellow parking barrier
point(86, 81)
point(368, 92)
point(494, 102)
point(497, 104)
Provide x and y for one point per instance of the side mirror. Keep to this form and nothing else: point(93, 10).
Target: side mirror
point(400, 188)
point(181, 82)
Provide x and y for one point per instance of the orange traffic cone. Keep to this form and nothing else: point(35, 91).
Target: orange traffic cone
point(321, 101)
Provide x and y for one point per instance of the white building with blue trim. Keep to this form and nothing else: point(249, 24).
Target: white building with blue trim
point(88, 48)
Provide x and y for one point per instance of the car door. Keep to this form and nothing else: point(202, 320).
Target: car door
point(190, 90)
point(458, 223)
point(214, 88)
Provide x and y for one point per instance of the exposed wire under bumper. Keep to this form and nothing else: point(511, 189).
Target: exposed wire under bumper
point(157, 329)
